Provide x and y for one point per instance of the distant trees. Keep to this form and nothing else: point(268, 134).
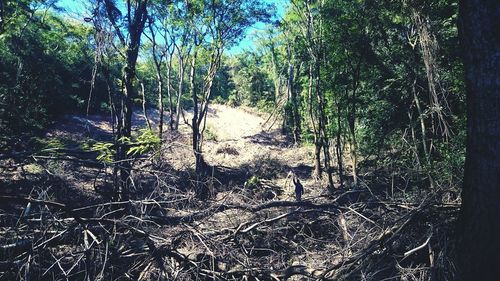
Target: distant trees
point(45, 61)
point(368, 81)
point(376, 87)
point(169, 33)
point(361, 81)
point(215, 26)
point(479, 229)
point(182, 33)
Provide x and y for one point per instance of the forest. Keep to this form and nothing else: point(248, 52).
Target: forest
point(249, 140)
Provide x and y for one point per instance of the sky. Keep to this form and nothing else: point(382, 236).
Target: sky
point(247, 42)
point(76, 9)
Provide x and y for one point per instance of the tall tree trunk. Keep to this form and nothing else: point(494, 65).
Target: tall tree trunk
point(135, 27)
point(292, 93)
point(159, 78)
point(276, 76)
point(339, 147)
point(2, 20)
point(428, 47)
point(317, 141)
point(124, 130)
point(295, 108)
point(421, 118)
point(195, 124)
point(169, 93)
point(322, 125)
point(160, 100)
point(479, 223)
point(144, 108)
point(179, 92)
point(352, 121)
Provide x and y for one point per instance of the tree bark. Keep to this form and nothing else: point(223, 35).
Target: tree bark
point(196, 145)
point(338, 146)
point(322, 125)
point(292, 94)
point(159, 79)
point(317, 142)
point(295, 108)
point(135, 27)
point(169, 86)
point(179, 91)
point(479, 224)
point(160, 99)
point(351, 118)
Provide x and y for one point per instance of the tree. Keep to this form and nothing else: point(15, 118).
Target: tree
point(217, 26)
point(44, 63)
point(128, 28)
point(312, 31)
point(479, 224)
point(169, 33)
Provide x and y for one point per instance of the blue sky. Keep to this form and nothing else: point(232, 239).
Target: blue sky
point(247, 42)
point(75, 8)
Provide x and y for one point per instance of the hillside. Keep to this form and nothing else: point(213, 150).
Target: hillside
point(250, 226)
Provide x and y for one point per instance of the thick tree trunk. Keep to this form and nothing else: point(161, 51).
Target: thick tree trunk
point(124, 130)
point(479, 224)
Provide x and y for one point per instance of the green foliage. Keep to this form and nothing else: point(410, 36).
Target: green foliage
point(265, 106)
point(146, 141)
point(253, 182)
point(210, 134)
point(44, 65)
point(250, 80)
point(449, 162)
point(372, 75)
point(47, 145)
point(232, 100)
point(371, 68)
point(106, 153)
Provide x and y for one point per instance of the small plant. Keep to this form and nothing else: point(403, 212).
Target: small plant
point(145, 142)
point(105, 153)
point(232, 100)
point(210, 135)
point(48, 145)
point(218, 100)
point(252, 182)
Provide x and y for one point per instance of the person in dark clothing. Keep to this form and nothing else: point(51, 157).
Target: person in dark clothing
point(299, 189)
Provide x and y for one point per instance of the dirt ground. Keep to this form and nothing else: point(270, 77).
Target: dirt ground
point(240, 138)
point(251, 225)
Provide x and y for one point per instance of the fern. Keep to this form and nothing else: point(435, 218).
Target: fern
point(105, 153)
point(145, 142)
